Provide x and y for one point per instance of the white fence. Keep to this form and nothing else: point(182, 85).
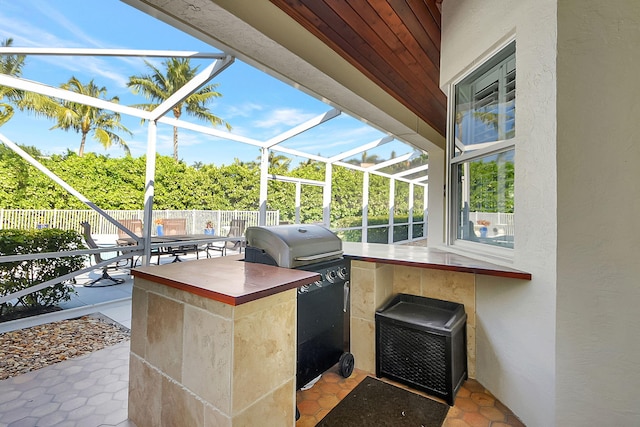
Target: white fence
point(70, 219)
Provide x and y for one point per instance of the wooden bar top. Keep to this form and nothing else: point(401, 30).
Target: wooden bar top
point(226, 279)
point(417, 256)
point(232, 281)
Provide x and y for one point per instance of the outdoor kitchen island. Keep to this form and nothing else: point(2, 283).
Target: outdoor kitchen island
point(213, 342)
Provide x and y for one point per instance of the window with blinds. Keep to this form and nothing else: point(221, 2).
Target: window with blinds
point(485, 104)
point(482, 154)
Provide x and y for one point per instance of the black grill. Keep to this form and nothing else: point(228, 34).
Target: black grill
point(323, 306)
point(323, 320)
point(421, 342)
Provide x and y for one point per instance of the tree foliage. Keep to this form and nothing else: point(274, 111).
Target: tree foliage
point(12, 65)
point(18, 275)
point(118, 183)
point(85, 119)
point(491, 186)
point(161, 84)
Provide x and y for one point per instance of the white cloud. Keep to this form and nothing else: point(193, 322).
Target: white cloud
point(242, 130)
point(53, 15)
point(248, 109)
point(26, 34)
point(283, 117)
point(329, 137)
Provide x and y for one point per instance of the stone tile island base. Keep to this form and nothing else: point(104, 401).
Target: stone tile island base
point(372, 283)
point(202, 363)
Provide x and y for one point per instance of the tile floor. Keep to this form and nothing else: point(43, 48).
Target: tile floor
point(87, 391)
point(91, 391)
point(473, 407)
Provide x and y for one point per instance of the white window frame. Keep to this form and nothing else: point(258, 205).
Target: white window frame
point(482, 150)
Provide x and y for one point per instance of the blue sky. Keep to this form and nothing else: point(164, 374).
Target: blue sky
point(255, 104)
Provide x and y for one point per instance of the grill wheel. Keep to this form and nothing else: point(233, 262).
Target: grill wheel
point(346, 364)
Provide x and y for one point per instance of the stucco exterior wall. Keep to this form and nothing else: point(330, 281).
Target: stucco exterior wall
point(598, 287)
point(516, 320)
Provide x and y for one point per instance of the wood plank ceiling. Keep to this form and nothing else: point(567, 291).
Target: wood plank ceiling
point(396, 43)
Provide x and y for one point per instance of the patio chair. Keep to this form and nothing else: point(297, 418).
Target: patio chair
point(236, 229)
point(86, 231)
point(135, 225)
point(177, 227)
point(174, 226)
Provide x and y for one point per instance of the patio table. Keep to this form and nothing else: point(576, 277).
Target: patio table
point(178, 244)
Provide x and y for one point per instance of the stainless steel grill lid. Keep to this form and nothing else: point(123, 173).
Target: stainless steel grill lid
point(295, 245)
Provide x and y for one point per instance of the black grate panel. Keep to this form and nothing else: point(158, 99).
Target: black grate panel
point(421, 342)
point(413, 355)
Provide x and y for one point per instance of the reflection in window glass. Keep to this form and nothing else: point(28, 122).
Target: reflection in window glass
point(485, 104)
point(485, 199)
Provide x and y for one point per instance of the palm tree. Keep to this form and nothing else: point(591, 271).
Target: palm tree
point(160, 85)
point(197, 165)
point(276, 161)
point(84, 118)
point(368, 159)
point(12, 65)
point(365, 160)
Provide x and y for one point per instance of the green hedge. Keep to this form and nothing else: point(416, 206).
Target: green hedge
point(18, 275)
point(379, 235)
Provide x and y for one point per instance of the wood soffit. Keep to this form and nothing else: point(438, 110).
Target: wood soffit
point(394, 43)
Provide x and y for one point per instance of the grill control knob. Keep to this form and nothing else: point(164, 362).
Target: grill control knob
point(331, 276)
point(302, 289)
point(342, 272)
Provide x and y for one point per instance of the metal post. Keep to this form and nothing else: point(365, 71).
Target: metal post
point(410, 219)
point(298, 197)
point(365, 207)
point(425, 212)
point(264, 179)
point(392, 196)
point(149, 190)
point(326, 196)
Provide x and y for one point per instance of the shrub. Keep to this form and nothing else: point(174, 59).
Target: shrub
point(19, 275)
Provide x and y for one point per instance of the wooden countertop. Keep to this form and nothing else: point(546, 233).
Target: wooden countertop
point(232, 281)
point(416, 256)
point(226, 279)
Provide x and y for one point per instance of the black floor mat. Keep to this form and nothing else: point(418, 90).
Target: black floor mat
point(376, 403)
